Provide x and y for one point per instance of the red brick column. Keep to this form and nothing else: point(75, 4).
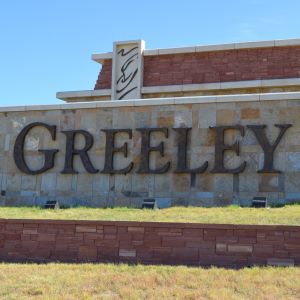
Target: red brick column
point(152, 243)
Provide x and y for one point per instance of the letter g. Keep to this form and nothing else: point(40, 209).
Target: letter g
point(19, 150)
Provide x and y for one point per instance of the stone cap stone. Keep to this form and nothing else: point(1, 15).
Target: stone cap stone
point(101, 57)
point(151, 224)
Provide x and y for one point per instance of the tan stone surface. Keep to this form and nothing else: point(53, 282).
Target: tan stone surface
point(250, 113)
point(183, 189)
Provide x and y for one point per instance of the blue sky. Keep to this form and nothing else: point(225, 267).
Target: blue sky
point(46, 45)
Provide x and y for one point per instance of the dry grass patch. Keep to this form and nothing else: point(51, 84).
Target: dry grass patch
point(109, 281)
point(288, 215)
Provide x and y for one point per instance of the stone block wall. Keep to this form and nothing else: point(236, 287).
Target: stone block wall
point(150, 243)
point(205, 189)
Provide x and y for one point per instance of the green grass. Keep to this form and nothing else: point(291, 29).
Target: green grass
point(109, 281)
point(288, 215)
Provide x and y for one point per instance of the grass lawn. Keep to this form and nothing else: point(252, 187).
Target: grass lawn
point(108, 281)
point(288, 215)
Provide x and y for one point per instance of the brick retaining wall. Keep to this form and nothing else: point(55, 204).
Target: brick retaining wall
point(151, 243)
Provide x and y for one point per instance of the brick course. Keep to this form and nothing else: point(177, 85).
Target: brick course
point(217, 66)
point(149, 243)
point(104, 77)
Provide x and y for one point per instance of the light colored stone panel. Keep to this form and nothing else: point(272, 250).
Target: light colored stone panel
point(123, 184)
point(64, 184)
point(100, 184)
point(223, 183)
point(293, 161)
point(225, 117)
point(183, 118)
point(248, 183)
point(292, 180)
point(181, 183)
point(48, 185)
point(269, 183)
point(163, 183)
point(85, 184)
point(13, 182)
point(207, 117)
point(28, 182)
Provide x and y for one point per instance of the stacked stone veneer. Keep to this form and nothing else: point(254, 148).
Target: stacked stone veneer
point(214, 66)
point(154, 243)
point(175, 189)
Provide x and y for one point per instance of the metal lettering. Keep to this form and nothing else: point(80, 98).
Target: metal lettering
point(111, 149)
point(220, 149)
point(19, 150)
point(71, 151)
point(182, 141)
point(146, 149)
point(183, 134)
point(259, 131)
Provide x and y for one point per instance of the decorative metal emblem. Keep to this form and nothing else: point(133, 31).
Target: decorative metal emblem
point(127, 69)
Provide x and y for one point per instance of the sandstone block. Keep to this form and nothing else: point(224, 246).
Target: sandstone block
point(240, 248)
point(225, 117)
point(250, 113)
point(269, 183)
point(220, 247)
point(127, 253)
point(81, 228)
